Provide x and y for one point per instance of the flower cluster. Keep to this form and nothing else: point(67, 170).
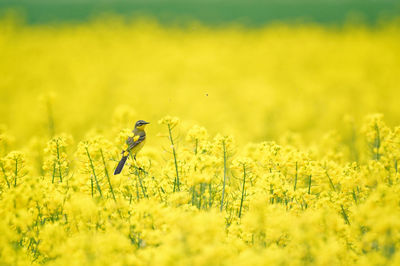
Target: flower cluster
point(211, 200)
point(56, 164)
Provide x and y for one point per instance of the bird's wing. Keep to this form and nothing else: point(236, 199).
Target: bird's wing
point(135, 140)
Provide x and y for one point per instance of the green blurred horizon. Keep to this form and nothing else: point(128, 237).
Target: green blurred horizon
point(218, 12)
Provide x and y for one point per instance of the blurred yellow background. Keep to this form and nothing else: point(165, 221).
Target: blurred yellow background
point(253, 83)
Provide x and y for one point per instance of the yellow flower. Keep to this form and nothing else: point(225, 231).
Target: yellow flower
point(169, 121)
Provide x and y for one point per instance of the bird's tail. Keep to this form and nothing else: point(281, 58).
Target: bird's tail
point(120, 165)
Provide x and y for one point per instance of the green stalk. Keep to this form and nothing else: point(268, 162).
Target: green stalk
point(200, 196)
point(137, 190)
point(309, 185)
point(54, 172)
point(295, 178)
point(271, 191)
point(4, 174)
point(203, 194)
point(344, 214)
point(158, 189)
point(377, 143)
point(346, 218)
point(210, 195)
point(330, 180)
point(223, 186)
point(107, 175)
point(193, 194)
point(355, 197)
point(141, 184)
point(175, 160)
point(58, 161)
point(243, 190)
point(16, 172)
point(94, 173)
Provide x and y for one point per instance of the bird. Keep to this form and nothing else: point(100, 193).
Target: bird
point(134, 144)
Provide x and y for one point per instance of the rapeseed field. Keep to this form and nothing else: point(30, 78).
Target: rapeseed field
point(273, 145)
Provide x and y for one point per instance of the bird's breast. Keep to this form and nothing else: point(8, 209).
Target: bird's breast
point(138, 147)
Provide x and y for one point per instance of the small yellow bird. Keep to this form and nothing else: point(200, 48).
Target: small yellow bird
point(134, 143)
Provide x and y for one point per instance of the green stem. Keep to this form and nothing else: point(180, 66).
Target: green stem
point(54, 172)
point(193, 194)
point(295, 178)
point(175, 160)
point(141, 184)
point(210, 195)
point(309, 185)
point(346, 218)
point(330, 180)
point(355, 197)
point(243, 191)
point(4, 174)
point(94, 173)
point(158, 189)
point(377, 143)
point(200, 196)
point(16, 172)
point(223, 186)
point(58, 160)
point(137, 190)
point(107, 175)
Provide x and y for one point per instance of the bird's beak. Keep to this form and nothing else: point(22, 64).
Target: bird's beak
point(146, 123)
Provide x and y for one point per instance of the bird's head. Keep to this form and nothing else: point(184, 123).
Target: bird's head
point(141, 124)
